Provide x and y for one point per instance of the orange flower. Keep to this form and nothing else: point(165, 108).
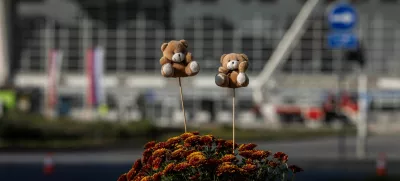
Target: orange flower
point(162, 152)
point(229, 158)
point(179, 147)
point(156, 176)
point(157, 163)
point(195, 132)
point(249, 168)
point(177, 154)
point(131, 174)
point(150, 144)
point(187, 153)
point(196, 159)
point(259, 154)
point(220, 143)
point(192, 141)
point(186, 135)
point(138, 178)
point(146, 178)
point(244, 147)
point(207, 139)
point(249, 161)
point(229, 144)
point(168, 168)
point(246, 154)
point(123, 177)
point(227, 167)
point(160, 145)
point(173, 140)
point(181, 166)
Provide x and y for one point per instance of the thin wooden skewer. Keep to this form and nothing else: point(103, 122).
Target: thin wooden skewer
point(183, 107)
point(233, 121)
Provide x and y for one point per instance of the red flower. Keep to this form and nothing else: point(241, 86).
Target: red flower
point(213, 162)
point(295, 168)
point(156, 176)
point(249, 167)
point(272, 164)
point(173, 140)
point(244, 147)
point(192, 141)
point(246, 154)
point(195, 177)
point(229, 144)
point(137, 165)
point(206, 140)
point(177, 154)
point(150, 144)
point(181, 166)
point(168, 168)
point(157, 163)
point(146, 155)
point(281, 156)
point(259, 154)
point(160, 145)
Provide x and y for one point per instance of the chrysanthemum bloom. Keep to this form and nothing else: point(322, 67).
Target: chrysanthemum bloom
point(281, 156)
point(173, 140)
point(206, 140)
point(246, 154)
point(156, 176)
point(123, 177)
point(150, 144)
point(244, 147)
point(227, 167)
point(186, 135)
point(157, 163)
point(162, 152)
point(181, 166)
point(146, 178)
point(229, 158)
point(138, 178)
point(134, 170)
point(249, 167)
point(248, 161)
point(137, 165)
point(192, 141)
point(188, 152)
point(168, 168)
point(295, 168)
point(177, 154)
point(146, 155)
point(259, 154)
point(229, 144)
point(272, 164)
point(196, 159)
point(220, 143)
point(179, 147)
point(160, 145)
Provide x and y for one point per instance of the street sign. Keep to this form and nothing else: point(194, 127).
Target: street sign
point(339, 40)
point(342, 16)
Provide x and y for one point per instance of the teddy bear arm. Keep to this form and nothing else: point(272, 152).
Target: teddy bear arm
point(164, 60)
point(243, 67)
point(189, 57)
point(223, 70)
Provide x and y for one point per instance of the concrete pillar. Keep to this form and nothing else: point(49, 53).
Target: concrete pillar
point(4, 37)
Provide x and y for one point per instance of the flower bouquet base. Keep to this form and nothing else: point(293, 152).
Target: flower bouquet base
point(194, 157)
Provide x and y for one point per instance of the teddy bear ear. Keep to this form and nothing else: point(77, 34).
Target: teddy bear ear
point(222, 58)
point(164, 46)
point(184, 43)
point(244, 56)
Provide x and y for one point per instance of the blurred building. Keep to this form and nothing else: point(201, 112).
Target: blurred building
point(133, 30)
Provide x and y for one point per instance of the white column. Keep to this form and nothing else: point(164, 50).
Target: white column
point(4, 56)
point(362, 125)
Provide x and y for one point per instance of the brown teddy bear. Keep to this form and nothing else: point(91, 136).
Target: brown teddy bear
point(232, 73)
point(177, 61)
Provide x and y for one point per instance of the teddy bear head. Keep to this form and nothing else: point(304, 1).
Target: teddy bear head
point(175, 50)
point(231, 61)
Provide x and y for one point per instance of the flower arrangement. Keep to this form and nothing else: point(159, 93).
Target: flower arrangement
point(191, 156)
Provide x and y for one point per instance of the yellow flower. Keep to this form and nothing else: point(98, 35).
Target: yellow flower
point(177, 153)
point(227, 167)
point(173, 140)
point(229, 158)
point(146, 178)
point(196, 159)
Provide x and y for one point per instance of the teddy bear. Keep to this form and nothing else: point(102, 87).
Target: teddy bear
point(232, 72)
point(177, 61)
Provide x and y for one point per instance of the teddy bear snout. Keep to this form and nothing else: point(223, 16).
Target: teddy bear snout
point(233, 64)
point(178, 57)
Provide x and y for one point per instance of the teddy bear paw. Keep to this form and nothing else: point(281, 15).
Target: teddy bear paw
point(219, 79)
point(194, 67)
point(167, 70)
point(241, 78)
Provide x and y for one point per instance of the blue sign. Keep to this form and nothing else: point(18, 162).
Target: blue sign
point(339, 40)
point(343, 17)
